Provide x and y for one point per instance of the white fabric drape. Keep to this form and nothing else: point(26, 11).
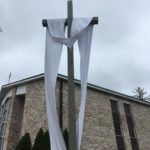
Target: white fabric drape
point(84, 47)
point(52, 59)
point(55, 38)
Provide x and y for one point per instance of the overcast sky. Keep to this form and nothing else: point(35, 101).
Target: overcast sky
point(120, 57)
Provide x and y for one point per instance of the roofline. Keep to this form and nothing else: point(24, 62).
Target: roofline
point(91, 86)
point(16, 83)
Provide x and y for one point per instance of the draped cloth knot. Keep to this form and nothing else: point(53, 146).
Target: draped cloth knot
point(55, 38)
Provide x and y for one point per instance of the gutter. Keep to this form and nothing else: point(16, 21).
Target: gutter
point(90, 86)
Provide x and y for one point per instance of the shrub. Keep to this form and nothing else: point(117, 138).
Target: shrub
point(42, 141)
point(46, 141)
point(24, 143)
point(39, 141)
point(66, 138)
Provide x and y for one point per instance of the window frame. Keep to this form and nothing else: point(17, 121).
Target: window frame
point(131, 126)
point(3, 120)
point(115, 112)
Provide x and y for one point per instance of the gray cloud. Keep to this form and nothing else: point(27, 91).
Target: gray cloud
point(120, 49)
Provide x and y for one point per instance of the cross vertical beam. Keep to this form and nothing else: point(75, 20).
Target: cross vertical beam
point(71, 91)
point(71, 88)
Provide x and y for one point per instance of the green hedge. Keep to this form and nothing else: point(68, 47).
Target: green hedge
point(24, 143)
point(41, 142)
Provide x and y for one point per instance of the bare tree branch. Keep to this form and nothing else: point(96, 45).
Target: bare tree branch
point(141, 94)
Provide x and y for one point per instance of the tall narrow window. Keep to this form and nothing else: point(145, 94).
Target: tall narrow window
point(117, 125)
point(3, 122)
point(131, 128)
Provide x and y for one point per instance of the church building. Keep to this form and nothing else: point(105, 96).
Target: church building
point(113, 121)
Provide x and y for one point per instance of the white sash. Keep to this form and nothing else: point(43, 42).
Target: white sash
point(55, 38)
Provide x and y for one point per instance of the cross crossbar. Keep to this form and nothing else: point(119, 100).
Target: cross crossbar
point(93, 21)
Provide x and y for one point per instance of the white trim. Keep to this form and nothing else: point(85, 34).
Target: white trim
point(113, 98)
point(101, 89)
point(9, 94)
point(23, 81)
point(21, 90)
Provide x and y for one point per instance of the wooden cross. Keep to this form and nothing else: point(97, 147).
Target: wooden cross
point(71, 90)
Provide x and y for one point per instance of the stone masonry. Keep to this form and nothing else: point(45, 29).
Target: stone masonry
point(99, 131)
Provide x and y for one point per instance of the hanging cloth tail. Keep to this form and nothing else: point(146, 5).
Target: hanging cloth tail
point(84, 42)
point(54, 40)
point(52, 60)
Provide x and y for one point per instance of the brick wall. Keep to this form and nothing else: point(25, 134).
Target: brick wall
point(99, 131)
point(7, 139)
point(15, 122)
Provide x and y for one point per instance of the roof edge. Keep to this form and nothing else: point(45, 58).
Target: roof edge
point(92, 86)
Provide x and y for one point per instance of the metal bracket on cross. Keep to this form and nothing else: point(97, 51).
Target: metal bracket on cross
point(94, 21)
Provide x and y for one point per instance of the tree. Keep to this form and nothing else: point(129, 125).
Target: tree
point(141, 94)
point(46, 141)
point(39, 141)
point(66, 138)
point(42, 141)
point(24, 143)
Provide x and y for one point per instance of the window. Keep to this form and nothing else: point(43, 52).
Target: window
point(3, 121)
point(130, 123)
point(117, 125)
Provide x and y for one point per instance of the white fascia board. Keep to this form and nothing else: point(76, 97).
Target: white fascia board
point(24, 81)
point(21, 90)
point(9, 94)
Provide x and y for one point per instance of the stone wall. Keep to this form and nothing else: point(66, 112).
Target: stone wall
point(16, 122)
point(34, 116)
point(98, 128)
point(142, 125)
point(11, 103)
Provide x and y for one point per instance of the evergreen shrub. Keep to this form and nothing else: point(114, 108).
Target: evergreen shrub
point(66, 138)
point(39, 141)
point(24, 143)
point(42, 141)
point(46, 141)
